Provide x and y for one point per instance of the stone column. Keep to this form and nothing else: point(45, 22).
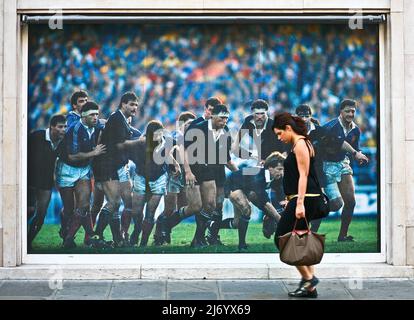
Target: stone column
point(1, 126)
point(409, 134)
point(397, 131)
point(10, 139)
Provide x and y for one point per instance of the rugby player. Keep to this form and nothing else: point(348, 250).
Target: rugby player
point(42, 145)
point(340, 187)
point(152, 155)
point(74, 171)
point(111, 168)
point(175, 198)
point(242, 189)
point(207, 151)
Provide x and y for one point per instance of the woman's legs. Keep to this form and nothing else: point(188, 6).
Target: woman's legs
point(286, 225)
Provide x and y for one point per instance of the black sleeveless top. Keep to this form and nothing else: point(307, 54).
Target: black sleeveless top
point(291, 176)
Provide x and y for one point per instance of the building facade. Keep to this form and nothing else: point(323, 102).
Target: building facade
point(396, 97)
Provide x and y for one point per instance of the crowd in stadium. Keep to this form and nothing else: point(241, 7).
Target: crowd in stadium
point(173, 68)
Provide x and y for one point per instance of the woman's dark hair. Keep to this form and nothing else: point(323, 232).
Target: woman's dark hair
point(152, 127)
point(150, 145)
point(298, 125)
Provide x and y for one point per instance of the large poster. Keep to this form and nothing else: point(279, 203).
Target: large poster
point(113, 166)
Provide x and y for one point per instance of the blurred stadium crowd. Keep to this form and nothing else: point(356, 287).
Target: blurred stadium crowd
point(176, 67)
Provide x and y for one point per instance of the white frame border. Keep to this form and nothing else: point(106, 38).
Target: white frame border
point(202, 258)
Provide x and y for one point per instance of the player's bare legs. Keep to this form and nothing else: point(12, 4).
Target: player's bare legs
point(138, 203)
point(81, 215)
point(148, 223)
point(126, 196)
point(242, 214)
point(112, 190)
point(347, 189)
point(208, 200)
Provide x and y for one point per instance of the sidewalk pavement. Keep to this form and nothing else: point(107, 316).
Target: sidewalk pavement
point(328, 289)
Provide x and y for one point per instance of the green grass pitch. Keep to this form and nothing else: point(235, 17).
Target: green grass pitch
point(364, 230)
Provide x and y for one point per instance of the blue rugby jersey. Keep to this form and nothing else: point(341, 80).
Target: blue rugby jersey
point(71, 119)
point(336, 131)
point(77, 140)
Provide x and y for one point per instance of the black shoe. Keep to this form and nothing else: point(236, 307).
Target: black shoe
point(308, 284)
point(303, 293)
point(243, 247)
point(346, 239)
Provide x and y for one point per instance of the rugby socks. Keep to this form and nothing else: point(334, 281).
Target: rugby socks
point(176, 218)
point(103, 221)
point(115, 224)
point(94, 216)
point(216, 217)
point(126, 221)
point(86, 221)
point(146, 231)
point(227, 223)
point(201, 224)
point(137, 219)
point(63, 223)
point(74, 224)
point(242, 229)
point(160, 225)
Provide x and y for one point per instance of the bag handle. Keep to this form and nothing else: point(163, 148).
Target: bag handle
point(296, 221)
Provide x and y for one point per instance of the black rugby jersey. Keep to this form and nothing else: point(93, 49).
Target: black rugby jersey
point(41, 160)
point(116, 130)
point(265, 137)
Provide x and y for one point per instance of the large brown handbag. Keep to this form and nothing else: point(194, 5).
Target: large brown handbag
point(301, 247)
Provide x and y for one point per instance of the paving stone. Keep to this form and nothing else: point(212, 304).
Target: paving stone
point(400, 294)
point(188, 295)
point(377, 284)
point(138, 290)
point(27, 288)
point(23, 298)
point(84, 289)
point(251, 286)
point(382, 290)
point(255, 296)
point(254, 290)
point(193, 286)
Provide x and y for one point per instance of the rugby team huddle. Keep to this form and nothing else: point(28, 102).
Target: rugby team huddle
point(100, 166)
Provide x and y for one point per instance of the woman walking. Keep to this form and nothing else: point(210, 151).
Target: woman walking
point(301, 188)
